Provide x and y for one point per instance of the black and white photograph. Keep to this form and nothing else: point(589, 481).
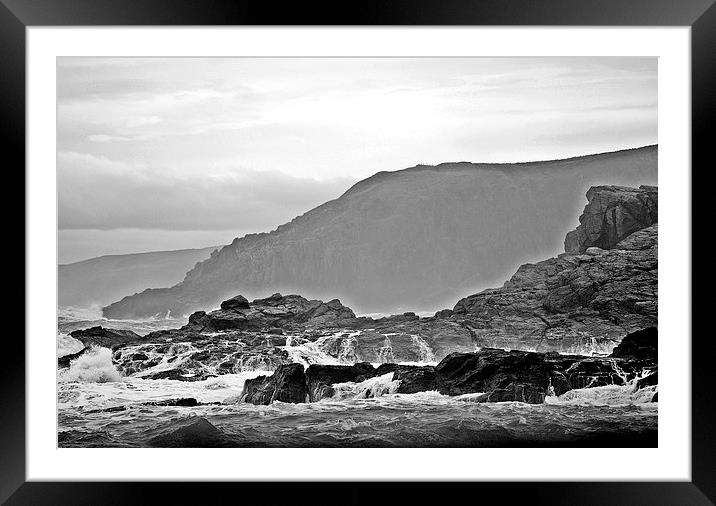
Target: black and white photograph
point(357, 252)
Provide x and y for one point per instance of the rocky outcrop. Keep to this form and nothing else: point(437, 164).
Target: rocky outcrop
point(106, 338)
point(274, 312)
point(612, 214)
point(406, 239)
point(575, 302)
point(286, 384)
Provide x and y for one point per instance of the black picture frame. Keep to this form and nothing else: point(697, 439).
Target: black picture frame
point(700, 15)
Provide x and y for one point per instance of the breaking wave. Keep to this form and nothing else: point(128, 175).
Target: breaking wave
point(95, 366)
point(368, 389)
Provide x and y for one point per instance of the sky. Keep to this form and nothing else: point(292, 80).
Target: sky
point(171, 153)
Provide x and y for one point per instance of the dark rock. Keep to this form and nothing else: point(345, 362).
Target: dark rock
point(106, 338)
point(65, 360)
point(612, 214)
point(286, 384)
point(523, 374)
point(193, 433)
point(648, 381)
point(656, 397)
point(182, 402)
point(320, 377)
point(415, 379)
point(236, 302)
point(639, 345)
point(179, 374)
point(197, 318)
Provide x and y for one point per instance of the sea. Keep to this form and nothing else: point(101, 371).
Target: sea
point(99, 406)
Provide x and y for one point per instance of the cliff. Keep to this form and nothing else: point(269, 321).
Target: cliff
point(411, 239)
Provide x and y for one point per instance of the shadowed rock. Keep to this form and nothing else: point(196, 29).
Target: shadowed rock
point(640, 345)
point(286, 384)
point(236, 302)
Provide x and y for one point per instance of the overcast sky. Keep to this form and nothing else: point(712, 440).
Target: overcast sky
point(174, 153)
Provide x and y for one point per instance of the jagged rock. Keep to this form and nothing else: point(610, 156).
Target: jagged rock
point(236, 302)
point(65, 360)
point(639, 345)
point(106, 338)
point(286, 384)
point(194, 433)
point(612, 214)
point(570, 303)
point(656, 397)
point(320, 378)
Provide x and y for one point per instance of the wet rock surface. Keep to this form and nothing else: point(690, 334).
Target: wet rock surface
point(106, 338)
point(286, 384)
point(501, 375)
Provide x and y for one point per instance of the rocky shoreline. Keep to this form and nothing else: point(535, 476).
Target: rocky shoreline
point(496, 374)
point(521, 342)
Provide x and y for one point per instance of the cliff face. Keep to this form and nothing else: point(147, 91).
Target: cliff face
point(578, 301)
point(412, 239)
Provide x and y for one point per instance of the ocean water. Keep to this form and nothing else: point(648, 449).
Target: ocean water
point(98, 406)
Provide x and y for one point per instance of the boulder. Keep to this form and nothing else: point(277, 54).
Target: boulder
point(526, 375)
point(236, 302)
point(415, 379)
point(286, 384)
point(106, 338)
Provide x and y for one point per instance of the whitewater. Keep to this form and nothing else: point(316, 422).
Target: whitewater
point(100, 405)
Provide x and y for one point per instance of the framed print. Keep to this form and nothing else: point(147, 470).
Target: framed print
point(282, 248)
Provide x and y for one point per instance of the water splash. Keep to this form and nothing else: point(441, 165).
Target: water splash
point(424, 351)
point(368, 389)
point(386, 352)
point(95, 366)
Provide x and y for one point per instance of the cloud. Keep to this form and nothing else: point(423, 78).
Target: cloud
point(99, 193)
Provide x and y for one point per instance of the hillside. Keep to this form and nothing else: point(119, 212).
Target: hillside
point(104, 279)
point(411, 239)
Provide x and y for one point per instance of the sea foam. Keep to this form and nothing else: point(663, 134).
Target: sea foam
point(95, 366)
